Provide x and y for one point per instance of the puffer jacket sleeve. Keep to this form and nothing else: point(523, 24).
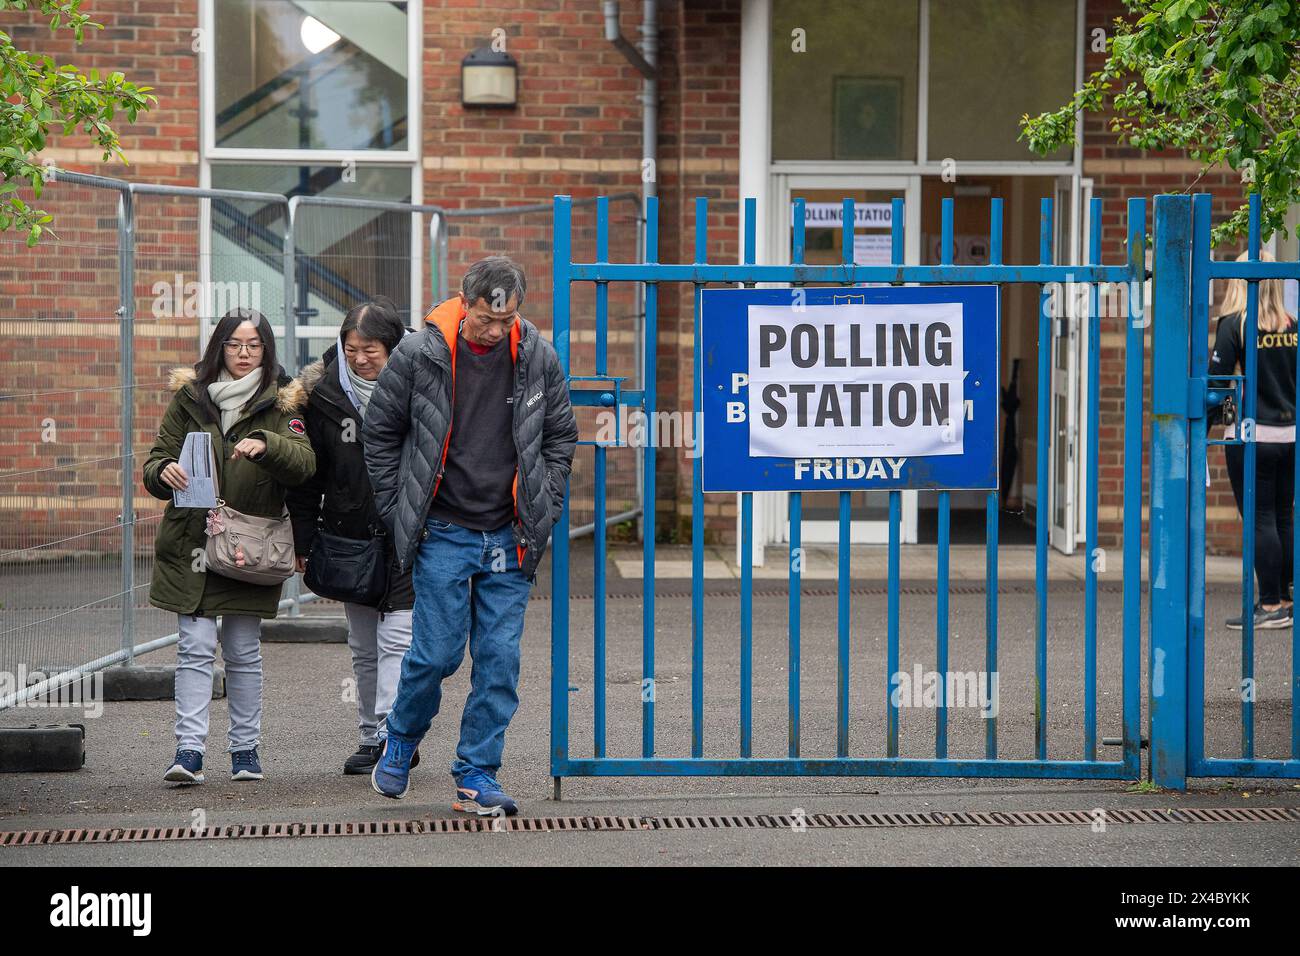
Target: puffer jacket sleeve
point(384, 428)
point(289, 456)
point(166, 449)
point(559, 430)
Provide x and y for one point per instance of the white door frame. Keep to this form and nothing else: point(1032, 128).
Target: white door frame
point(785, 188)
point(1085, 344)
point(1064, 381)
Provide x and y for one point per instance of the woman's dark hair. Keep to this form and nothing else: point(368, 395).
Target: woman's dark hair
point(213, 361)
point(377, 319)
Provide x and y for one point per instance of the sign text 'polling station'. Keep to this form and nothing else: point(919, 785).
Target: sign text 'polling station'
point(834, 388)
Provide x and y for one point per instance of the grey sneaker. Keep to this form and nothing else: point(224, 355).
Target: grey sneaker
point(1265, 620)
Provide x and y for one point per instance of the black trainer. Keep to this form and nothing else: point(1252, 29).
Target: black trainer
point(364, 760)
point(367, 755)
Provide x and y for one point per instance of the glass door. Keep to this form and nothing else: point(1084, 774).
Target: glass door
point(823, 196)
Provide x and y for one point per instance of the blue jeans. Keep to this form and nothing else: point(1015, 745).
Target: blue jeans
point(468, 587)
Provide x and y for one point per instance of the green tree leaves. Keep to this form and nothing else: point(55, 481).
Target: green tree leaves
point(1214, 78)
point(37, 95)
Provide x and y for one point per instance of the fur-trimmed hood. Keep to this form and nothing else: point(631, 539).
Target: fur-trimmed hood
point(310, 377)
point(322, 391)
point(290, 396)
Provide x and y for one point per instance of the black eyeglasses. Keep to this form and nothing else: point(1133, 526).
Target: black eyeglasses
point(234, 348)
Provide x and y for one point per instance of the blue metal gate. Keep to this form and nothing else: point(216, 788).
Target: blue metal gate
point(1177, 526)
point(1182, 394)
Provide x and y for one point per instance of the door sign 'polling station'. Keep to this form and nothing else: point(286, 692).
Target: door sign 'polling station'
point(834, 388)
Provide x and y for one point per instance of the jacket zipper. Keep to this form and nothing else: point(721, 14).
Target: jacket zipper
point(520, 394)
point(442, 459)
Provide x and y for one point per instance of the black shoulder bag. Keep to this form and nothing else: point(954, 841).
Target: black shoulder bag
point(351, 570)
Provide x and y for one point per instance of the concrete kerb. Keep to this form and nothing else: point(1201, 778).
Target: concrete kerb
point(134, 682)
point(302, 630)
point(41, 749)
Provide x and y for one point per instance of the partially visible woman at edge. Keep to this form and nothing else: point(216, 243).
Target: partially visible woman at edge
point(237, 393)
point(339, 498)
point(1274, 437)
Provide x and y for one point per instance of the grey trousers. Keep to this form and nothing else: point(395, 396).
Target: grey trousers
point(378, 647)
point(241, 649)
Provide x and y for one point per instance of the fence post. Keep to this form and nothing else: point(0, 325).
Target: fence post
point(293, 587)
point(1170, 381)
point(126, 328)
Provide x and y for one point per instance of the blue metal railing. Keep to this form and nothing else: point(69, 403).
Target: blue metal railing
point(1194, 215)
point(700, 273)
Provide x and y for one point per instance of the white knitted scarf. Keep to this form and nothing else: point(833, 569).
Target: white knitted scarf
point(231, 394)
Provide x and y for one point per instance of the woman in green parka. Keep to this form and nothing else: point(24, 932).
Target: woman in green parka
point(238, 394)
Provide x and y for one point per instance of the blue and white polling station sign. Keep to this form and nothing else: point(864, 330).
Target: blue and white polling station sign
point(832, 389)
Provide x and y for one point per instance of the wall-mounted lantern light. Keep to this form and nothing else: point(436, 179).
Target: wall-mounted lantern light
point(489, 78)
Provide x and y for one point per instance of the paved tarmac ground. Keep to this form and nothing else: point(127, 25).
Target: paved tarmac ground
point(309, 728)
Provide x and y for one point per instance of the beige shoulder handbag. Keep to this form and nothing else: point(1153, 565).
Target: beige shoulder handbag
point(267, 544)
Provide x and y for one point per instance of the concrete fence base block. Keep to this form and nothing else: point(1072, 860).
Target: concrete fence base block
point(315, 630)
point(133, 682)
point(38, 749)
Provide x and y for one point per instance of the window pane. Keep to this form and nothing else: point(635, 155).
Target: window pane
point(991, 61)
point(344, 255)
point(330, 74)
point(852, 94)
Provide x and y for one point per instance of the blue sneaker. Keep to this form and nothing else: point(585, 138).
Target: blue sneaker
point(477, 792)
point(186, 768)
point(392, 774)
point(244, 765)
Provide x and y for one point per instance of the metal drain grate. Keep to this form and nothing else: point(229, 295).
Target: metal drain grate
point(832, 821)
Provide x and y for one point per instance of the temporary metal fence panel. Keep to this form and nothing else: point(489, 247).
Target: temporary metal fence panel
point(115, 296)
point(735, 754)
point(62, 490)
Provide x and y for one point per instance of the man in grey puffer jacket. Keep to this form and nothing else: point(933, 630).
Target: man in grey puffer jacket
point(469, 439)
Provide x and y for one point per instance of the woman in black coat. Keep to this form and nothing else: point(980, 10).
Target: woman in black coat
point(338, 500)
point(1273, 436)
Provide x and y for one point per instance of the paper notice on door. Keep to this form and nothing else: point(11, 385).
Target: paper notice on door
point(873, 248)
point(199, 464)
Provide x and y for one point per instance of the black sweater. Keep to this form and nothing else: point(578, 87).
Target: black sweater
point(1275, 368)
point(477, 487)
